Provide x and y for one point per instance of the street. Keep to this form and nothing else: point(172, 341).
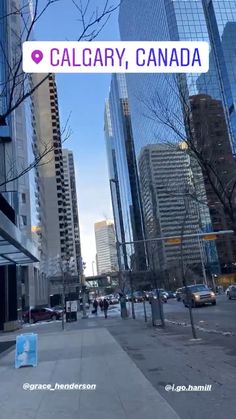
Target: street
point(209, 318)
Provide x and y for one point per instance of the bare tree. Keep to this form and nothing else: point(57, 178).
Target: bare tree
point(200, 123)
point(17, 87)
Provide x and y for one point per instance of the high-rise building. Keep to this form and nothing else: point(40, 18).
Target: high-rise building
point(16, 248)
point(73, 238)
point(124, 185)
point(156, 99)
point(167, 20)
point(106, 247)
point(169, 210)
point(212, 139)
point(52, 228)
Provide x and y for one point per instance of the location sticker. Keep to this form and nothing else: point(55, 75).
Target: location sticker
point(37, 56)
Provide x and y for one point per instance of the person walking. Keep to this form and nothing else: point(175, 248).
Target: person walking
point(95, 307)
point(105, 307)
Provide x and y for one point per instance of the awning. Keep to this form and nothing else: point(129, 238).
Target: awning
point(15, 248)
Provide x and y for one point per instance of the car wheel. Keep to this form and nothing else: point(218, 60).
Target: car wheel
point(214, 303)
point(54, 317)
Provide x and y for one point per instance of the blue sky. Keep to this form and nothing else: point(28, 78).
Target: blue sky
point(84, 97)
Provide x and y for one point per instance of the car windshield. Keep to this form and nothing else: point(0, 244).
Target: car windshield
point(199, 288)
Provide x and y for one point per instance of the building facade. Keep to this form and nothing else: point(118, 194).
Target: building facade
point(123, 176)
point(169, 207)
point(106, 247)
point(212, 140)
point(167, 20)
point(156, 100)
point(52, 228)
point(73, 238)
point(17, 251)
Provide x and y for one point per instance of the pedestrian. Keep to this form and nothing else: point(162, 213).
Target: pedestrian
point(105, 307)
point(95, 307)
point(101, 304)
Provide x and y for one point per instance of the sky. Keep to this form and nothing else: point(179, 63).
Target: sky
point(83, 98)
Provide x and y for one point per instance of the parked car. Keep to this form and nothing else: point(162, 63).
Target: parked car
point(163, 295)
point(162, 291)
point(178, 293)
point(232, 292)
point(138, 296)
point(171, 294)
point(197, 295)
point(228, 289)
point(114, 299)
point(39, 314)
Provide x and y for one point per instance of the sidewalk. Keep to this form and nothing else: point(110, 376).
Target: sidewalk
point(80, 356)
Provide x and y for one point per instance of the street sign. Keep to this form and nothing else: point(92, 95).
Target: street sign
point(26, 350)
point(209, 237)
point(173, 241)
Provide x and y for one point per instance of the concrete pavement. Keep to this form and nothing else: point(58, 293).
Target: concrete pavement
point(89, 356)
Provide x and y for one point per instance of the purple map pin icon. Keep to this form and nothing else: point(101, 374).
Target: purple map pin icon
point(37, 56)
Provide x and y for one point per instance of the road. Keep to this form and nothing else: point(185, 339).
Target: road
point(219, 318)
point(215, 319)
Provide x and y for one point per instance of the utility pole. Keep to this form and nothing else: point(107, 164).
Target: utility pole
point(202, 260)
point(85, 316)
point(63, 301)
point(132, 294)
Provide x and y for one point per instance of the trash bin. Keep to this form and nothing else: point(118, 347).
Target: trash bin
point(157, 312)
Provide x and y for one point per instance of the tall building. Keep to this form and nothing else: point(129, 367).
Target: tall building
point(16, 249)
point(212, 140)
point(156, 99)
point(167, 20)
point(106, 247)
point(58, 228)
point(73, 239)
point(52, 231)
point(123, 177)
point(169, 210)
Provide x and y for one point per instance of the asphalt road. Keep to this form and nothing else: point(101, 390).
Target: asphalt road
point(219, 318)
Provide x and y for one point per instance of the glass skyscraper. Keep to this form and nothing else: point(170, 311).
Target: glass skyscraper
point(123, 175)
point(212, 21)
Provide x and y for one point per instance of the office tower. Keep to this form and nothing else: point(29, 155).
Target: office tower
point(71, 204)
point(156, 100)
point(16, 249)
point(106, 247)
point(166, 20)
point(212, 140)
point(169, 210)
point(123, 176)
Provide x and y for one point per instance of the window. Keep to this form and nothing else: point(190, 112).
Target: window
point(23, 198)
point(24, 220)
